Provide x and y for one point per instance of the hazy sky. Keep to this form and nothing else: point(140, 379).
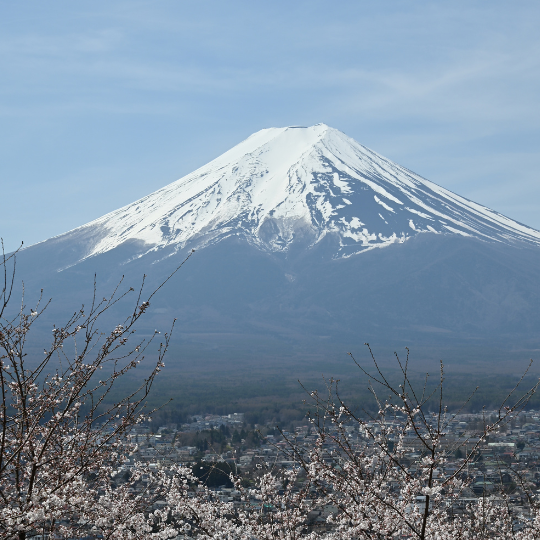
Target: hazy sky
point(103, 102)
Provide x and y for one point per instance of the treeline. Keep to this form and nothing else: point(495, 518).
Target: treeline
point(219, 439)
point(283, 402)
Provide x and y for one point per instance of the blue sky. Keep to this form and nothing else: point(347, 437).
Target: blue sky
point(104, 102)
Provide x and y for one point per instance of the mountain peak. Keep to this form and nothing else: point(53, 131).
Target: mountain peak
point(298, 184)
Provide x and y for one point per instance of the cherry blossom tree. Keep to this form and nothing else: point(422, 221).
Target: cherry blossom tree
point(378, 491)
point(61, 439)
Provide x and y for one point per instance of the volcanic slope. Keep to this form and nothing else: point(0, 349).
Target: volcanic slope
point(303, 237)
point(282, 185)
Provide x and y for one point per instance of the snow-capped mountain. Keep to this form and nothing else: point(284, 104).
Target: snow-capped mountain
point(288, 221)
point(297, 184)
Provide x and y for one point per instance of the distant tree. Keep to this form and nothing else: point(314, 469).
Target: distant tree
point(225, 430)
point(214, 474)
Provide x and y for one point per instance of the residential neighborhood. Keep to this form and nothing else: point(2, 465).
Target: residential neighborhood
point(216, 446)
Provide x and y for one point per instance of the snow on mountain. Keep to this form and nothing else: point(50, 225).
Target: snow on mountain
point(298, 184)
